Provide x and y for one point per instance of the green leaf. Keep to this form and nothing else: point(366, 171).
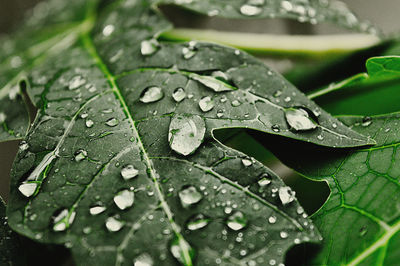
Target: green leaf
point(371, 93)
point(121, 164)
point(360, 221)
point(10, 250)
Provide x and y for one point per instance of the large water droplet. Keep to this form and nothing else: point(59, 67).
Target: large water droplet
point(151, 94)
point(249, 10)
point(80, 155)
point(28, 189)
point(113, 224)
point(182, 251)
point(124, 199)
point(265, 180)
point(179, 94)
point(186, 133)
point(129, 172)
point(247, 162)
point(76, 82)
point(236, 221)
point(206, 104)
point(143, 260)
point(189, 196)
point(197, 222)
point(299, 119)
point(212, 83)
point(63, 220)
point(286, 195)
point(149, 47)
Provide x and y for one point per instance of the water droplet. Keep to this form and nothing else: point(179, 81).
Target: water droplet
point(220, 76)
point(2, 118)
point(23, 146)
point(283, 234)
point(80, 155)
point(275, 128)
point(286, 195)
point(334, 125)
point(149, 47)
point(190, 51)
point(112, 122)
point(143, 260)
point(235, 103)
point(182, 251)
point(87, 230)
point(96, 210)
point(179, 94)
point(89, 123)
point(216, 85)
point(186, 133)
point(287, 6)
point(28, 189)
point(76, 82)
point(124, 199)
point(247, 162)
point(366, 121)
point(213, 13)
point(108, 30)
point(363, 230)
point(206, 104)
point(264, 180)
point(129, 172)
point(197, 222)
point(237, 221)
point(151, 94)
point(320, 137)
point(189, 196)
point(63, 220)
point(249, 10)
point(299, 119)
point(113, 224)
point(272, 219)
point(220, 113)
point(272, 262)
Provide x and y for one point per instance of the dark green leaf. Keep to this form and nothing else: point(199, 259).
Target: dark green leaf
point(121, 164)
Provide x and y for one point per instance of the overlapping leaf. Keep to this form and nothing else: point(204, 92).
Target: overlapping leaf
point(102, 169)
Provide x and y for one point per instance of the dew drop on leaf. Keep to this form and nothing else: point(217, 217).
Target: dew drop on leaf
point(112, 122)
point(272, 219)
point(27, 189)
point(249, 10)
point(235, 103)
point(63, 219)
point(236, 221)
point(179, 94)
point(151, 94)
point(108, 30)
point(182, 251)
point(220, 76)
point(80, 155)
point(197, 222)
point(216, 85)
point(299, 119)
point(206, 104)
point(247, 162)
point(113, 224)
point(286, 195)
point(189, 195)
point(275, 128)
point(129, 172)
point(95, 210)
point(76, 82)
point(283, 234)
point(149, 47)
point(2, 117)
point(186, 133)
point(264, 180)
point(89, 123)
point(124, 199)
point(143, 260)
point(366, 121)
point(190, 51)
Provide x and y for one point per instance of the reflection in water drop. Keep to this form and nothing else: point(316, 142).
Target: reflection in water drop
point(299, 119)
point(151, 94)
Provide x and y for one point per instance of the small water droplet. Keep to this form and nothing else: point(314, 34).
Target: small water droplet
point(112, 122)
point(283, 234)
point(287, 6)
point(151, 94)
point(179, 94)
point(23, 146)
point(286, 195)
point(275, 128)
point(366, 121)
point(272, 219)
point(237, 221)
point(206, 104)
point(363, 231)
point(95, 210)
point(249, 10)
point(320, 137)
point(220, 113)
point(113, 224)
point(76, 82)
point(149, 47)
point(63, 220)
point(3, 117)
point(89, 123)
point(124, 199)
point(189, 195)
point(190, 51)
point(143, 260)
point(108, 30)
point(197, 222)
point(235, 103)
point(80, 155)
point(186, 133)
point(264, 180)
point(299, 119)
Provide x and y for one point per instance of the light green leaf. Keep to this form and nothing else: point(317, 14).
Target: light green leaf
point(121, 164)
